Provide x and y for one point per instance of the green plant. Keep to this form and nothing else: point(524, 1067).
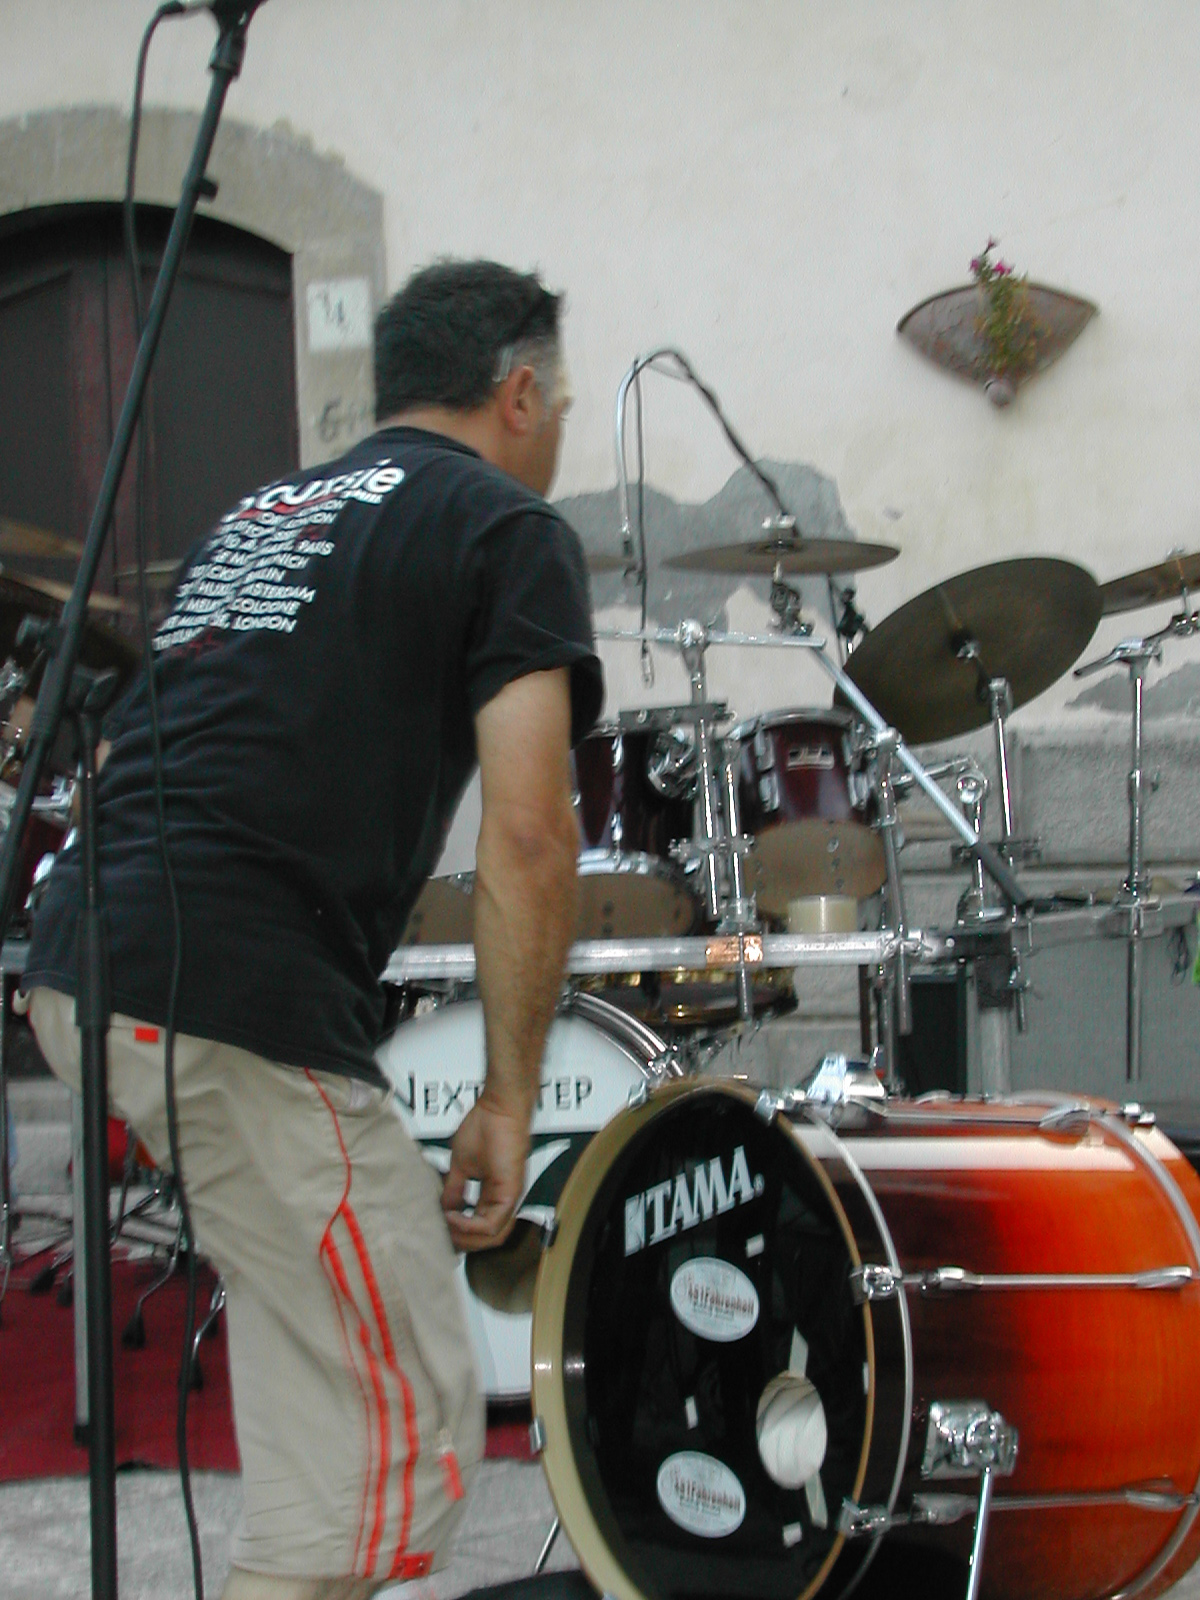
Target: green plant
point(1007, 328)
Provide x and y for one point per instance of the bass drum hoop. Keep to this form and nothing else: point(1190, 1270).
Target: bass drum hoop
point(549, 1313)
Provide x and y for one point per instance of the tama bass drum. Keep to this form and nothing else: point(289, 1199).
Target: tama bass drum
point(773, 1360)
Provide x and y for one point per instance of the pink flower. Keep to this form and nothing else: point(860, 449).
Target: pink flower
point(1002, 269)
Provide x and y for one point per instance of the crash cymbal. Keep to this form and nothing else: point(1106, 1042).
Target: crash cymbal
point(61, 592)
point(102, 646)
point(35, 544)
point(1029, 620)
point(1151, 585)
point(796, 556)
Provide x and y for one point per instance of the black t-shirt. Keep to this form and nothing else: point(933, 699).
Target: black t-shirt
point(327, 648)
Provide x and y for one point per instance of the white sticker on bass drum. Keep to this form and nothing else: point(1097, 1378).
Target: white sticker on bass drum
point(714, 1300)
point(700, 1494)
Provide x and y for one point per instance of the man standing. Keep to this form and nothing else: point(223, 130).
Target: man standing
point(342, 649)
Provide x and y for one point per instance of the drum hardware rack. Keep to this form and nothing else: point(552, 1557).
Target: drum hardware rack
point(1136, 894)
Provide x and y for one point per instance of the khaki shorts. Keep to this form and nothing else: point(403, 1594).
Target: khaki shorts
point(357, 1409)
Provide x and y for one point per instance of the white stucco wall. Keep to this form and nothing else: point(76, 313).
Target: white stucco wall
point(772, 185)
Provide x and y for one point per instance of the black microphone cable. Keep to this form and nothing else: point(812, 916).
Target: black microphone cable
point(173, 8)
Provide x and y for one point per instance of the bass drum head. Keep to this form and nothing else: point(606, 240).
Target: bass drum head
point(703, 1374)
point(436, 1064)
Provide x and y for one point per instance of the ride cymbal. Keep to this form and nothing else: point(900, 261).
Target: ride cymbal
point(1027, 620)
point(797, 557)
point(1151, 585)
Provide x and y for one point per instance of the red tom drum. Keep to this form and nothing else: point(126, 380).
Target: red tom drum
point(772, 1353)
point(803, 799)
point(629, 886)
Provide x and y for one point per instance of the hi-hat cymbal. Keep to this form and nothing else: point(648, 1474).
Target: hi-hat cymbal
point(35, 544)
point(795, 556)
point(1029, 620)
point(1151, 585)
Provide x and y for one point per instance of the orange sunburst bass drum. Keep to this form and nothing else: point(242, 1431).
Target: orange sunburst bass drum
point(784, 1351)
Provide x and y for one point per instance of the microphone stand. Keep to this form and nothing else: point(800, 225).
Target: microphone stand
point(64, 687)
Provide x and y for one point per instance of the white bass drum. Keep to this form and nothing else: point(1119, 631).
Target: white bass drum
point(595, 1056)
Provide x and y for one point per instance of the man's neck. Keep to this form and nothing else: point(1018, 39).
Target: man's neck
point(474, 428)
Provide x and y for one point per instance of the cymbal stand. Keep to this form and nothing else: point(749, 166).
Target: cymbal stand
point(1136, 897)
point(718, 839)
point(895, 991)
point(998, 694)
point(707, 831)
point(973, 906)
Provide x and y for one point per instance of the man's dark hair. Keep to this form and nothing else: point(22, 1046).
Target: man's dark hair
point(455, 329)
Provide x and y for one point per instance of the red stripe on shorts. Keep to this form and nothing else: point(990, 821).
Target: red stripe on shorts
point(389, 1355)
point(331, 1262)
point(346, 1212)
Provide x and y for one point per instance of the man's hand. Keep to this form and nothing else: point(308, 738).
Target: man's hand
point(491, 1145)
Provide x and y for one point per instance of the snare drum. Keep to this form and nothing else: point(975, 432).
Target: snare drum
point(804, 802)
point(629, 887)
point(595, 1056)
point(767, 1354)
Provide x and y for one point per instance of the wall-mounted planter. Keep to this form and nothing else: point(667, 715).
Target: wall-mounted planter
point(946, 329)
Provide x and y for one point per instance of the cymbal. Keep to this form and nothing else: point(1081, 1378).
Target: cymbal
point(102, 647)
point(1151, 585)
point(605, 561)
point(1030, 619)
point(53, 590)
point(796, 556)
point(22, 539)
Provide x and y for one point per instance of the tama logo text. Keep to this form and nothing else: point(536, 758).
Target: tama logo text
point(689, 1198)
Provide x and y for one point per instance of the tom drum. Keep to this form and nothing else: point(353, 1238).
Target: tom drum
point(804, 801)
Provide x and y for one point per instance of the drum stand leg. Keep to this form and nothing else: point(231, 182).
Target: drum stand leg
point(981, 1521)
point(1136, 888)
point(544, 1553)
point(895, 998)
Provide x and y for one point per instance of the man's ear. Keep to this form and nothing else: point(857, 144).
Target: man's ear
point(519, 401)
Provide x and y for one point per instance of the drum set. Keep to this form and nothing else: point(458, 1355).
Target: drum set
point(828, 1339)
point(831, 1339)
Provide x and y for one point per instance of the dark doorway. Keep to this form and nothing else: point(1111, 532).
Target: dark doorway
point(221, 416)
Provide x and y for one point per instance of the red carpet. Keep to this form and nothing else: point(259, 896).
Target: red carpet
point(37, 1398)
point(37, 1418)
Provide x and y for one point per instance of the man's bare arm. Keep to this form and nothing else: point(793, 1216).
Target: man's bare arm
point(524, 923)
